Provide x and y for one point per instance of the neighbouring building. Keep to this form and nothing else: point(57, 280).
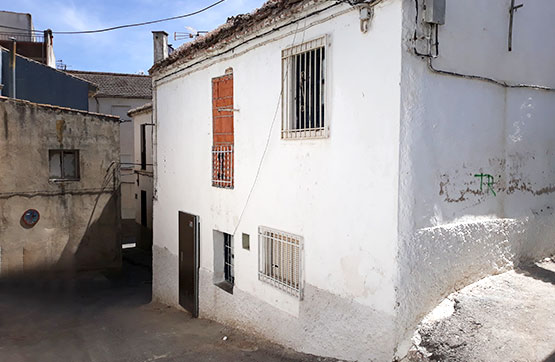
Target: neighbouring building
point(42, 84)
point(59, 190)
point(325, 172)
point(143, 135)
point(117, 94)
point(30, 43)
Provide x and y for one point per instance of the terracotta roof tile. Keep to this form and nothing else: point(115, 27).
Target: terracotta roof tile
point(118, 85)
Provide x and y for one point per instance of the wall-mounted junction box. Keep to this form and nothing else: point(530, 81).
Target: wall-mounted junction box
point(434, 11)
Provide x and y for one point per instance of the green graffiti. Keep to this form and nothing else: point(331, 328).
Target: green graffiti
point(489, 182)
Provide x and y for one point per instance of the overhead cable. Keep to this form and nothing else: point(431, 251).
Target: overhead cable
point(126, 25)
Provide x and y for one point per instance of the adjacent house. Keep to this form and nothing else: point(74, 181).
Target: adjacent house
point(325, 172)
point(30, 43)
point(117, 94)
point(59, 190)
point(143, 135)
point(24, 78)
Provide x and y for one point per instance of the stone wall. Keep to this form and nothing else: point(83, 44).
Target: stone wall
point(79, 220)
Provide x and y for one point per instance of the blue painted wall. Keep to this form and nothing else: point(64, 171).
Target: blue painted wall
point(39, 83)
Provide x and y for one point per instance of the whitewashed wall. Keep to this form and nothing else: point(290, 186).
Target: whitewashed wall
point(145, 178)
point(339, 193)
point(120, 107)
point(452, 129)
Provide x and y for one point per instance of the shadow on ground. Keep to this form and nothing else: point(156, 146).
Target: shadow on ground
point(108, 316)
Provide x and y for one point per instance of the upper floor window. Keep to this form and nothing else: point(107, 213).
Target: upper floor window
point(304, 90)
point(64, 164)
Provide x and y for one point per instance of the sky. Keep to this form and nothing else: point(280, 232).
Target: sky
point(124, 50)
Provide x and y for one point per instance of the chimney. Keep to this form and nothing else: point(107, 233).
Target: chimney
point(13, 59)
point(160, 39)
point(50, 59)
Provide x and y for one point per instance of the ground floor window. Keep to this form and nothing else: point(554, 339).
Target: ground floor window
point(280, 261)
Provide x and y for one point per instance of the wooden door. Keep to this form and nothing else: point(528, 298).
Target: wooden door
point(188, 262)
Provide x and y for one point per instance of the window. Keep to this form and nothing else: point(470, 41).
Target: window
point(143, 146)
point(304, 90)
point(224, 274)
point(280, 260)
point(228, 259)
point(222, 131)
point(64, 164)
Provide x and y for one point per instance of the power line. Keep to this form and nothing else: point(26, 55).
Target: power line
point(140, 24)
point(121, 26)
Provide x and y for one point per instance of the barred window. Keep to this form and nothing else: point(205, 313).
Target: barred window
point(304, 90)
point(280, 261)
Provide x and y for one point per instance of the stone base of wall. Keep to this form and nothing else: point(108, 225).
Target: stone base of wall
point(165, 276)
point(437, 261)
point(327, 325)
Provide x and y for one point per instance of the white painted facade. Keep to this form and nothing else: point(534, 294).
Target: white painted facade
point(119, 106)
point(384, 240)
point(143, 175)
point(453, 128)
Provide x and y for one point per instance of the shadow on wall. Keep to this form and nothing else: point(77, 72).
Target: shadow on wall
point(100, 246)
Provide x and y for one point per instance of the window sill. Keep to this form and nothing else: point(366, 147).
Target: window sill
point(59, 180)
point(225, 286)
point(305, 134)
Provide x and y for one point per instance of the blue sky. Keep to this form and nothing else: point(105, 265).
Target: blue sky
point(125, 50)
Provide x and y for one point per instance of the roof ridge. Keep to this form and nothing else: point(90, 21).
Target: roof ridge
point(107, 73)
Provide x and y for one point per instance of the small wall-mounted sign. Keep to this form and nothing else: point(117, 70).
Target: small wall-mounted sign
point(30, 217)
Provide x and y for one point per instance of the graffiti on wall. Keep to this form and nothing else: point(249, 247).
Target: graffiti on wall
point(488, 180)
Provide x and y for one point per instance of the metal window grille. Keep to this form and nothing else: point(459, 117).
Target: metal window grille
point(228, 260)
point(222, 166)
point(304, 90)
point(280, 260)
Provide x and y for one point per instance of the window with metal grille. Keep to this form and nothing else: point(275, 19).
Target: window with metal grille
point(63, 165)
point(222, 129)
point(280, 260)
point(304, 90)
point(228, 259)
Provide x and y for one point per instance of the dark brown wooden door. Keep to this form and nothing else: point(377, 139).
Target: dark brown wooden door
point(188, 262)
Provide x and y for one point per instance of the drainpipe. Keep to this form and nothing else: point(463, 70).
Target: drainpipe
point(12, 68)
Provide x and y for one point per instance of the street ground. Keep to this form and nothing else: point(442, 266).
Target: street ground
point(109, 317)
point(504, 318)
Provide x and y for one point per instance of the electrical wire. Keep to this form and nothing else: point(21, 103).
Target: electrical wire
point(430, 57)
point(139, 24)
point(268, 139)
point(126, 25)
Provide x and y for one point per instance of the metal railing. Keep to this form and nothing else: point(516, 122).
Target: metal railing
point(280, 260)
point(222, 166)
point(23, 37)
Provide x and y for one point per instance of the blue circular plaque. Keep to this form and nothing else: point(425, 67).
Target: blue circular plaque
point(31, 217)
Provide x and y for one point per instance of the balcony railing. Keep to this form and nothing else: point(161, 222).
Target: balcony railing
point(21, 37)
point(222, 166)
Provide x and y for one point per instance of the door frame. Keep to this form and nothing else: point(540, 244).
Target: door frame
point(196, 261)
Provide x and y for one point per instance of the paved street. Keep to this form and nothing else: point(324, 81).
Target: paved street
point(109, 317)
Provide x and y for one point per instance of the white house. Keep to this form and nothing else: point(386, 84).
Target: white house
point(143, 137)
point(327, 171)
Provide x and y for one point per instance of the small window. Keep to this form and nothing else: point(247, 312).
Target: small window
point(228, 259)
point(64, 164)
point(280, 260)
point(143, 146)
point(304, 90)
point(224, 276)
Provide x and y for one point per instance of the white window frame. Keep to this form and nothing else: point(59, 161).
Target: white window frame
point(274, 247)
point(288, 130)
